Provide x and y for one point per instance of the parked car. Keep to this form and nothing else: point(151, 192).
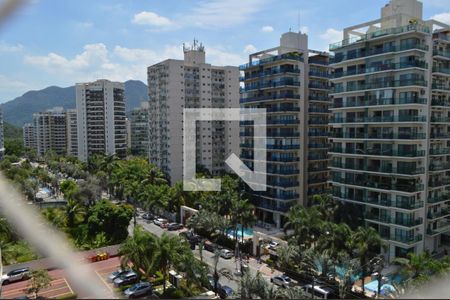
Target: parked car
point(273, 245)
point(227, 254)
point(174, 226)
point(225, 292)
point(117, 273)
point(125, 279)
point(139, 289)
point(16, 275)
point(148, 216)
point(191, 237)
point(160, 221)
point(282, 280)
point(209, 246)
point(319, 291)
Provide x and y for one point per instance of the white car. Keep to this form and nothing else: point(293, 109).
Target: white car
point(282, 280)
point(227, 254)
point(160, 221)
point(15, 275)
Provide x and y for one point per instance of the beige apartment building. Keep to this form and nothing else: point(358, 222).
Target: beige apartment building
point(47, 132)
point(139, 130)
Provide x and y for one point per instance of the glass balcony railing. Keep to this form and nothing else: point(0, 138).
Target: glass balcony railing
point(318, 110)
point(381, 68)
point(443, 227)
point(440, 167)
point(440, 119)
point(283, 172)
point(442, 151)
point(380, 33)
point(287, 56)
point(407, 239)
point(282, 109)
point(318, 121)
point(364, 182)
point(380, 85)
point(319, 74)
point(318, 146)
point(379, 152)
point(385, 119)
point(270, 72)
point(379, 136)
point(318, 133)
point(268, 85)
point(444, 181)
point(439, 198)
point(440, 135)
point(362, 53)
point(379, 202)
point(440, 86)
point(269, 97)
point(440, 102)
point(317, 156)
point(441, 53)
point(382, 101)
point(441, 70)
point(380, 169)
point(282, 159)
point(440, 214)
point(313, 97)
point(318, 86)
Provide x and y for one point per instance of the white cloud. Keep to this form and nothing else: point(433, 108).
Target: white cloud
point(150, 18)
point(4, 47)
point(120, 63)
point(267, 29)
point(444, 17)
point(249, 49)
point(332, 35)
point(304, 29)
point(7, 83)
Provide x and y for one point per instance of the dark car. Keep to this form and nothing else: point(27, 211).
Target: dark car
point(225, 292)
point(148, 216)
point(119, 272)
point(138, 290)
point(210, 246)
point(126, 279)
point(191, 237)
point(174, 226)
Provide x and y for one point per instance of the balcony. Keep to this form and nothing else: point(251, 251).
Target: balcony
point(318, 146)
point(436, 215)
point(382, 68)
point(380, 85)
point(318, 121)
point(282, 109)
point(282, 96)
point(379, 169)
point(441, 70)
point(283, 171)
point(440, 198)
point(445, 54)
point(364, 54)
point(440, 135)
point(443, 181)
point(443, 227)
point(365, 183)
point(283, 184)
point(442, 151)
point(383, 101)
point(287, 56)
point(440, 119)
point(440, 167)
point(317, 156)
point(270, 85)
point(318, 86)
point(440, 86)
point(379, 152)
point(407, 240)
point(318, 133)
point(385, 119)
point(380, 33)
point(321, 98)
point(270, 72)
point(282, 159)
point(392, 220)
point(316, 180)
point(440, 102)
point(319, 74)
point(318, 110)
point(379, 136)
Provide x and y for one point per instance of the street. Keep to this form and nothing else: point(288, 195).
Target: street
point(230, 265)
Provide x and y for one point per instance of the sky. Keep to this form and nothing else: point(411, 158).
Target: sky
point(61, 42)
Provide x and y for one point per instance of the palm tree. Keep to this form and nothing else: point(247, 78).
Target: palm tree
point(317, 265)
point(73, 209)
point(166, 254)
point(216, 276)
point(326, 206)
point(419, 264)
point(306, 224)
point(291, 293)
point(108, 164)
point(334, 239)
point(256, 287)
point(138, 249)
point(367, 243)
point(154, 176)
point(348, 270)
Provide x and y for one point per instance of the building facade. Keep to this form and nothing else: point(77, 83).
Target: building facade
point(390, 138)
point(72, 132)
point(29, 136)
point(291, 83)
point(101, 119)
point(191, 83)
point(50, 131)
point(140, 130)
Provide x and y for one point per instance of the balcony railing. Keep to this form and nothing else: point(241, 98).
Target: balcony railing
point(380, 85)
point(440, 167)
point(441, 53)
point(442, 151)
point(273, 84)
point(379, 152)
point(380, 33)
point(385, 119)
point(379, 169)
point(436, 215)
point(363, 54)
point(383, 101)
point(270, 72)
point(440, 229)
point(270, 97)
point(440, 86)
point(441, 70)
point(407, 240)
point(440, 102)
point(319, 74)
point(440, 135)
point(440, 119)
point(379, 202)
point(440, 198)
point(384, 67)
point(379, 136)
point(364, 182)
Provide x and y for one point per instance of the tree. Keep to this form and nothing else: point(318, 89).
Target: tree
point(167, 250)
point(74, 210)
point(111, 219)
point(348, 272)
point(367, 243)
point(138, 249)
point(39, 279)
point(306, 224)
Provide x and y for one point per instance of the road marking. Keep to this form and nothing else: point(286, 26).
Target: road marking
point(68, 285)
point(104, 282)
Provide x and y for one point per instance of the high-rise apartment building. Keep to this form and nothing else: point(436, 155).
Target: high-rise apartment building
point(101, 119)
point(72, 132)
point(50, 131)
point(140, 130)
point(2, 138)
point(291, 83)
point(191, 83)
point(391, 135)
point(29, 136)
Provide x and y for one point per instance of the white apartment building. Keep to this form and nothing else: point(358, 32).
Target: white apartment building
point(292, 83)
point(101, 119)
point(140, 130)
point(191, 83)
point(391, 127)
point(72, 132)
point(50, 131)
point(2, 141)
point(29, 136)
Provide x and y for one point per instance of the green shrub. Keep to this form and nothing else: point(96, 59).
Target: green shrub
point(69, 296)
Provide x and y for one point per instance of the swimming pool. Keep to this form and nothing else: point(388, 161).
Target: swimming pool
point(373, 287)
point(248, 232)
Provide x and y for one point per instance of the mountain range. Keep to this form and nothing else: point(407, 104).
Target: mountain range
point(20, 110)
